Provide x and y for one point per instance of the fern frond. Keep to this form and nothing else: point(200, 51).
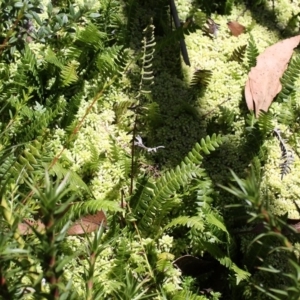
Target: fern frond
point(52, 58)
point(201, 78)
point(289, 79)
point(148, 54)
point(286, 155)
point(265, 123)
point(225, 260)
point(92, 36)
point(238, 54)
point(108, 62)
point(190, 222)
point(252, 52)
point(68, 74)
point(184, 295)
point(155, 199)
point(76, 183)
point(208, 144)
point(288, 110)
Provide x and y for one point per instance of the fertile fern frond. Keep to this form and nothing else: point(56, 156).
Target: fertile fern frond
point(252, 52)
point(148, 53)
point(289, 78)
point(286, 155)
point(238, 54)
point(201, 78)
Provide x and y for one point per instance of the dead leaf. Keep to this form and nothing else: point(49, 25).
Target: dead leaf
point(236, 28)
point(263, 82)
point(88, 224)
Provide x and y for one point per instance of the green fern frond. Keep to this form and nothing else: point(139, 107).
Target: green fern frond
point(288, 111)
point(208, 144)
point(76, 183)
point(27, 74)
point(252, 52)
point(68, 74)
point(265, 123)
point(224, 260)
point(51, 58)
point(238, 54)
point(92, 36)
point(289, 79)
point(187, 295)
point(78, 209)
point(155, 199)
point(110, 61)
point(190, 222)
point(201, 78)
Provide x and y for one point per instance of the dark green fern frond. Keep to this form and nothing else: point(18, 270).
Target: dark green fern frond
point(238, 54)
point(252, 52)
point(156, 197)
point(289, 111)
point(201, 78)
point(265, 123)
point(289, 78)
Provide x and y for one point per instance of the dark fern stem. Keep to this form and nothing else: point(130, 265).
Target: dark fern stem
point(286, 155)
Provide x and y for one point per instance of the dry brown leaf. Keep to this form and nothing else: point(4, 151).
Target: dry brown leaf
point(263, 82)
point(236, 28)
point(86, 224)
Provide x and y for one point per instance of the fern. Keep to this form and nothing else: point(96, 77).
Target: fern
point(155, 199)
point(289, 79)
point(252, 53)
point(68, 74)
point(201, 78)
point(148, 52)
point(265, 123)
point(286, 155)
point(238, 54)
point(195, 222)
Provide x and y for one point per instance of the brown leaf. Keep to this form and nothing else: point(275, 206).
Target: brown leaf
point(26, 227)
point(88, 224)
point(263, 82)
point(236, 28)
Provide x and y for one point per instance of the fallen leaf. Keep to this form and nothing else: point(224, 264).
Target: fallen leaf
point(88, 224)
point(236, 28)
point(263, 82)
